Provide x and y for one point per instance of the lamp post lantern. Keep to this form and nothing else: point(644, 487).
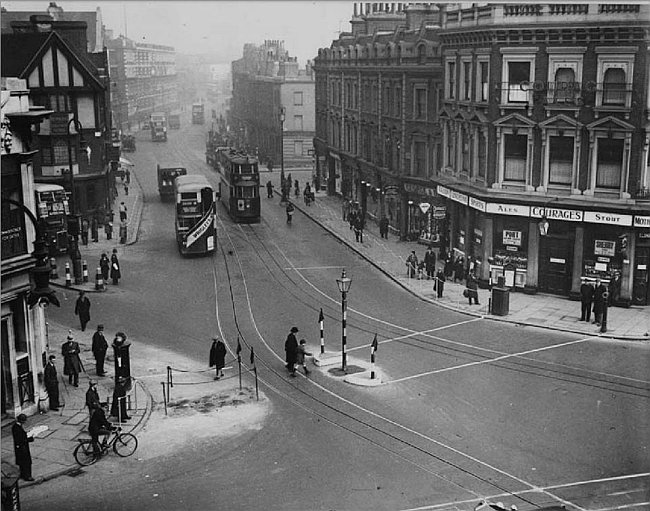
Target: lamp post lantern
point(283, 186)
point(344, 286)
point(75, 255)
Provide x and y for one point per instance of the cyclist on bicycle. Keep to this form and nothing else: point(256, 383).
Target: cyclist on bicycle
point(99, 425)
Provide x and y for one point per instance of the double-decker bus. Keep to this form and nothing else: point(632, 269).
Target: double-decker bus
point(239, 187)
point(196, 218)
point(166, 176)
point(53, 208)
point(158, 126)
point(198, 116)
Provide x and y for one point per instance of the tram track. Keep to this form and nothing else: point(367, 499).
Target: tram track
point(419, 449)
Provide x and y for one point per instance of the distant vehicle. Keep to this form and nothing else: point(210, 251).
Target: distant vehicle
point(175, 121)
point(196, 217)
point(214, 143)
point(53, 207)
point(128, 143)
point(145, 126)
point(158, 124)
point(166, 176)
point(239, 189)
point(198, 113)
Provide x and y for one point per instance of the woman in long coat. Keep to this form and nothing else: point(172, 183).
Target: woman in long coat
point(105, 265)
point(116, 273)
point(218, 356)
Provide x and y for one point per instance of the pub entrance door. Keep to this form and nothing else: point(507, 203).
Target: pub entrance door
point(555, 265)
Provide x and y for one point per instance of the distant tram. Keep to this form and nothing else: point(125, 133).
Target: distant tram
point(195, 227)
point(53, 207)
point(239, 188)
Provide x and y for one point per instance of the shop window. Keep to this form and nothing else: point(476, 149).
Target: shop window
point(561, 160)
point(515, 156)
point(609, 163)
point(14, 241)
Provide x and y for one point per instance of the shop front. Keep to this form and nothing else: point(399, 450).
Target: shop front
point(509, 258)
point(641, 268)
point(426, 216)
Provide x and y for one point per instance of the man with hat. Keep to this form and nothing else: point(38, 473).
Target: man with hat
point(21, 447)
point(291, 350)
point(586, 297)
point(71, 361)
point(100, 346)
point(92, 397)
point(118, 406)
point(218, 356)
point(51, 380)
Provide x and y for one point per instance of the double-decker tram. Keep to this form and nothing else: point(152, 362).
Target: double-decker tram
point(196, 219)
point(239, 188)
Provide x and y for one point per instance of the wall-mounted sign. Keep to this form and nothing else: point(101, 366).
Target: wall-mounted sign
point(508, 209)
point(439, 212)
point(641, 221)
point(605, 248)
point(512, 238)
point(391, 190)
point(477, 204)
point(597, 217)
point(458, 197)
point(567, 215)
point(424, 207)
point(603, 259)
point(443, 191)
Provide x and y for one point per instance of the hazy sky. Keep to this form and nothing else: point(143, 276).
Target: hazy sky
point(192, 27)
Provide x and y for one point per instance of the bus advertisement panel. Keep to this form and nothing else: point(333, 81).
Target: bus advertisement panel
point(195, 226)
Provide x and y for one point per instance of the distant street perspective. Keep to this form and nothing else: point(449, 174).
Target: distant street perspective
point(410, 273)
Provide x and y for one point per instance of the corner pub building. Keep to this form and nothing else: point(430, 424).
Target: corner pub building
point(534, 158)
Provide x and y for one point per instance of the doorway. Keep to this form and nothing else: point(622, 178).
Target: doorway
point(555, 265)
point(640, 294)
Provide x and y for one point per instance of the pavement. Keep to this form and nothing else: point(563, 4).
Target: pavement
point(54, 457)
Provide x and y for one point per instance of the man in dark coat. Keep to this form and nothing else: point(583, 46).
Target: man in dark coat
point(383, 227)
point(430, 262)
point(291, 350)
point(599, 302)
point(71, 361)
point(359, 225)
point(586, 297)
point(82, 309)
point(218, 356)
point(472, 287)
point(100, 345)
point(105, 266)
point(118, 406)
point(21, 448)
point(116, 272)
point(99, 425)
point(440, 283)
point(92, 397)
point(51, 380)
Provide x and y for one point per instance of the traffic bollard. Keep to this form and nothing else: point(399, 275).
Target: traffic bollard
point(99, 280)
point(68, 277)
point(53, 273)
point(84, 266)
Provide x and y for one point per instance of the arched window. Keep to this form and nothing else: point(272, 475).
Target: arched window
point(614, 87)
point(422, 54)
point(564, 85)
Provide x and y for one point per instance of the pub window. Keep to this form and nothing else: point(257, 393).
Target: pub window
point(515, 155)
point(560, 160)
point(609, 163)
point(483, 80)
point(518, 73)
point(565, 85)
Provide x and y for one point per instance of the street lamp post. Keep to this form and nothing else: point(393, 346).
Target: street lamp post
point(75, 255)
point(344, 286)
point(283, 186)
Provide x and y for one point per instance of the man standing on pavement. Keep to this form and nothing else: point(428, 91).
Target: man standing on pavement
point(51, 380)
point(586, 297)
point(21, 448)
point(291, 350)
point(430, 262)
point(82, 309)
point(599, 302)
point(71, 361)
point(116, 272)
point(100, 346)
point(122, 210)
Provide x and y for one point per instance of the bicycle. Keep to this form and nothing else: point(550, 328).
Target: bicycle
point(124, 445)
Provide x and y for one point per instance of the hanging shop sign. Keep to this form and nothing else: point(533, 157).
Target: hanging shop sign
point(391, 190)
point(605, 248)
point(439, 212)
point(424, 207)
point(512, 238)
point(477, 204)
point(641, 221)
point(597, 217)
point(568, 215)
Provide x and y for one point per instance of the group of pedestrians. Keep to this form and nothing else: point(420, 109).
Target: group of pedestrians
point(357, 221)
point(89, 227)
point(295, 352)
point(592, 298)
